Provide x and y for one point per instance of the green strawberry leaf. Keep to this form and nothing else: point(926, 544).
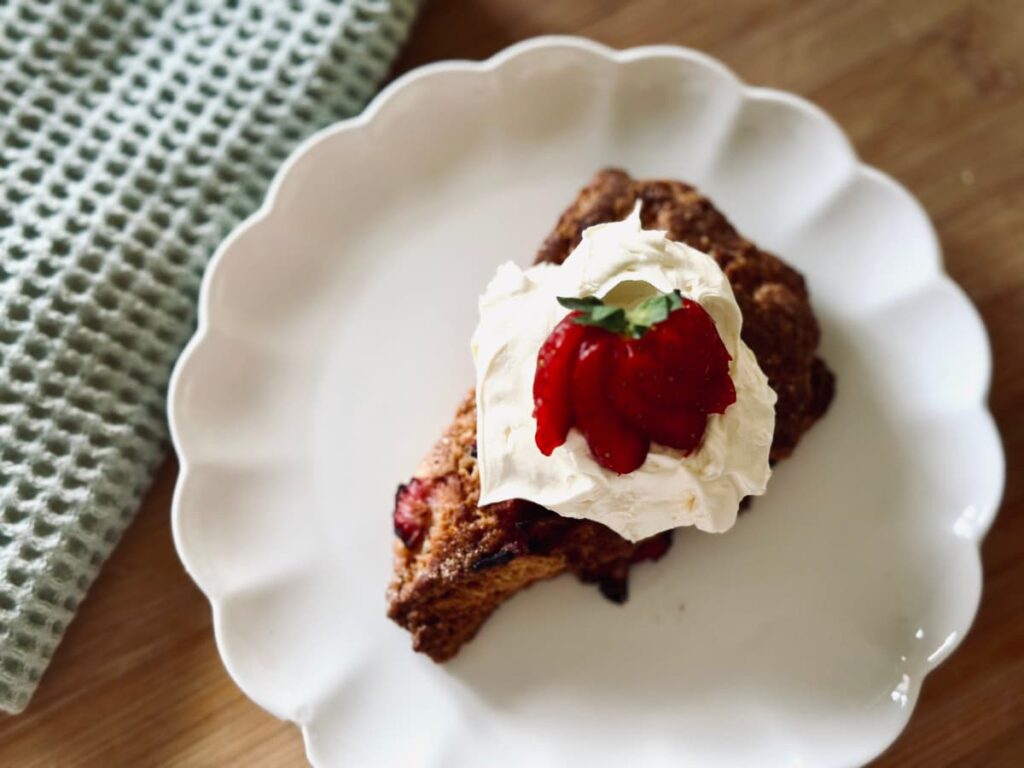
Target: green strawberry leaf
point(580, 304)
point(634, 322)
point(610, 318)
point(652, 311)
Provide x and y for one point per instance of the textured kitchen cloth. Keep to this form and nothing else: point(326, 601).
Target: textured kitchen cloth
point(134, 134)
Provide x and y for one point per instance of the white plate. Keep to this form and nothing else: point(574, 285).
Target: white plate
point(333, 347)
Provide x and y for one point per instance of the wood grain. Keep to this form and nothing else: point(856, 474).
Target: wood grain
point(932, 91)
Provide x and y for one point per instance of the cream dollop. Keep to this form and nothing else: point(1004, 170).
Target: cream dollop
point(620, 262)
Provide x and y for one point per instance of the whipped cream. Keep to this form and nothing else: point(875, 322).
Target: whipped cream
point(622, 263)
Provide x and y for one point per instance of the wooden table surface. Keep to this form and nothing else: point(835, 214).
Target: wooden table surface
point(931, 91)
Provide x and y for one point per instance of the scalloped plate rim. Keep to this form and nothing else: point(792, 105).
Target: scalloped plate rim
point(440, 69)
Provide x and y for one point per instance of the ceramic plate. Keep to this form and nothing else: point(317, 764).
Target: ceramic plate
point(333, 347)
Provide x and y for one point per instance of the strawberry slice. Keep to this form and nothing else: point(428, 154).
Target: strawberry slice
point(632, 370)
point(693, 361)
point(633, 374)
point(636, 382)
point(615, 444)
point(551, 384)
point(682, 429)
point(666, 382)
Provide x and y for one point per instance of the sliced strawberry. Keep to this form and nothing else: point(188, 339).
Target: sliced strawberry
point(682, 429)
point(665, 383)
point(675, 426)
point(626, 377)
point(552, 406)
point(614, 443)
point(632, 368)
point(718, 394)
point(693, 361)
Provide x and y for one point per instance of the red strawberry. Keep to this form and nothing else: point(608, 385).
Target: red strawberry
point(682, 429)
point(626, 377)
point(614, 443)
point(693, 361)
point(552, 407)
point(675, 426)
point(633, 381)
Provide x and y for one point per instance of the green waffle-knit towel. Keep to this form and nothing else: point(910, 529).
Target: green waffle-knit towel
point(133, 135)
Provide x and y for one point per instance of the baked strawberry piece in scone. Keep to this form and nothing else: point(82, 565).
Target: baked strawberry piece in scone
point(638, 387)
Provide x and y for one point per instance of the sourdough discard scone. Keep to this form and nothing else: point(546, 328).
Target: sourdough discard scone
point(456, 562)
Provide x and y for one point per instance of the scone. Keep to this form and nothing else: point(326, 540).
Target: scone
point(455, 562)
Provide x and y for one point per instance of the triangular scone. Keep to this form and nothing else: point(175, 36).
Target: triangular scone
point(456, 562)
